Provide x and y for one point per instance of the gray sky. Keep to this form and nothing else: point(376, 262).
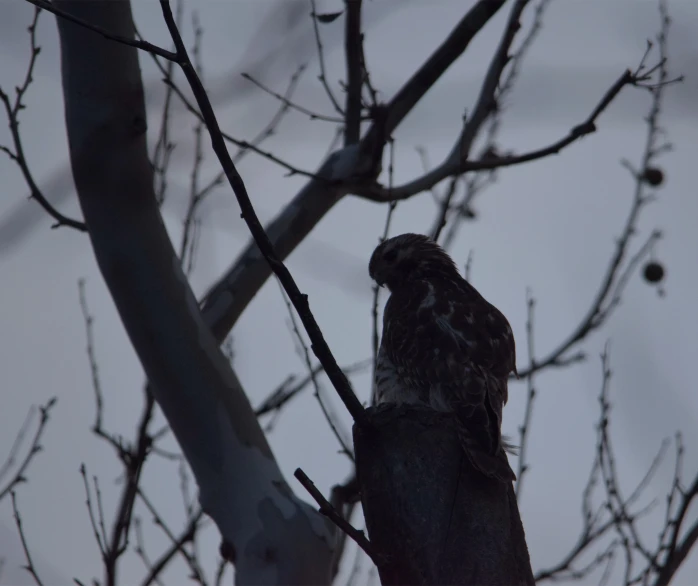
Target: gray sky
point(549, 225)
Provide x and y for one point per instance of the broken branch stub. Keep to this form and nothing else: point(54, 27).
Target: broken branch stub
point(431, 517)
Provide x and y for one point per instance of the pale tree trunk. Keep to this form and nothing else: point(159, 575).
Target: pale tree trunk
point(277, 539)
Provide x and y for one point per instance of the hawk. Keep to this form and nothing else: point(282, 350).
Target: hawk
point(444, 346)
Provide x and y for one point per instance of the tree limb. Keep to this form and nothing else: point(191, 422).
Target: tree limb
point(336, 177)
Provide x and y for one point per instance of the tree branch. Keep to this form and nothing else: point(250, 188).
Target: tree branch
point(353, 39)
point(299, 300)
point(34, 448)
point(331, 513)
point(12, 111)
point(337, 176)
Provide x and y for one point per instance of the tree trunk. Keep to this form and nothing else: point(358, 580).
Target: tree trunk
point(274, 537)
point(431, 517)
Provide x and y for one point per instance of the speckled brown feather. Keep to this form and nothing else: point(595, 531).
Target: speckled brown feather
point(445, 346)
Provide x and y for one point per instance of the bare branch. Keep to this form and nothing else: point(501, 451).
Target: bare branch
point(162, 153)
point(353, 41)
point(617, 273)
point(288, 103)
point(12, 110)
point(177, 542)
point(91, 512)
point(34, 448)
point(292, 385)
point(321, 59)
point(29, 567)
point(140, 549)
point(142, 45)
point(476, 183)
point(376, 288)
point(530, 396)
point(331, 513)
point(176, 547)
point(299, 300)
point(346, 450)
point(338, 175)
point(447, 169)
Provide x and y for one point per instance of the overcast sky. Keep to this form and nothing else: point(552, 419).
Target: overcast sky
point(549, 225)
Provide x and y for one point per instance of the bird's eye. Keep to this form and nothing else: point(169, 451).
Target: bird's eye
point(391, 255)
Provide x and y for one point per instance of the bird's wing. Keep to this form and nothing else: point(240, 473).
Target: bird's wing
point(461, 351)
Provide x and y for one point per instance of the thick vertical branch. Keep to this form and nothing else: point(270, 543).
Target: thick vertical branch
point(276, 539)
point(352, 50)
point(337, 177)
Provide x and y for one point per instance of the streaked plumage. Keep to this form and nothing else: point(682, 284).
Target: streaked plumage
point(443, 346)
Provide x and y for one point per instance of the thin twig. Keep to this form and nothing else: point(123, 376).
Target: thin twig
point(293, 385)
point(140, 550)
point(313, 377)
point(476, 183)
point(34, 447)
point(289, 103)
point(29, 567)
point(90, 511)
point(142, 45)
point(321, 58)
point(177, 542)
point(162, 153)
point(12, 111)
point(176, 547)
point(530, 396)
point(331, 513)
point(375, 338)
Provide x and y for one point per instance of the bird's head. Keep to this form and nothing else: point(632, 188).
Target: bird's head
point(401, 259)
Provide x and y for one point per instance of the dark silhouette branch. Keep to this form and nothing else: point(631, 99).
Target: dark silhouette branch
point(142, 45)
point(321, 58)
point(333, 515)
point(299, 300)
point(227, 299)
point(353, 53)
point(12, 110)
point(293, 385)
point(156, 568)
point(530, 397)
point(619, 270)
point(29, 567)
point(290, 104)
point(305, 355)
point(34, 448)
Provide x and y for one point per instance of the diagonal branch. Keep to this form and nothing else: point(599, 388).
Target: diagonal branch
point(106, 33)
point(456, 166)
point(299, 300)
point(34, 448)
point(12, 110)
point(228, 298)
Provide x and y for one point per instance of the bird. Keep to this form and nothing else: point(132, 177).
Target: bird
point(443, 346)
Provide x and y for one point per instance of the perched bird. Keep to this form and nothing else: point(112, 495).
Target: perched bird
point(443, 346)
